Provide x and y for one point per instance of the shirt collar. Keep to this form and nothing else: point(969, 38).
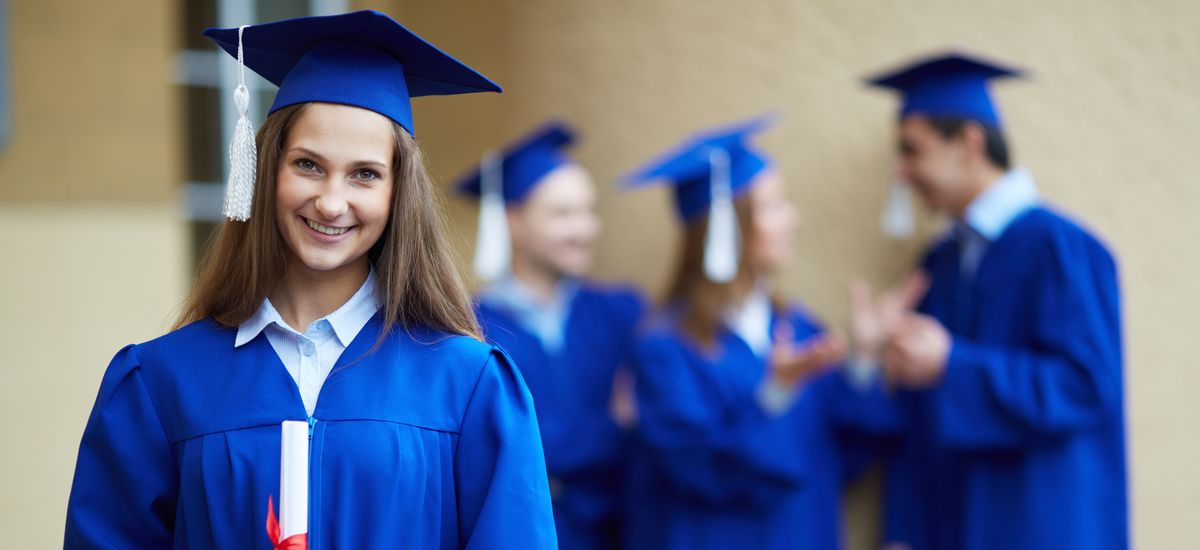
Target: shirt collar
point(511, 293)
point(751, 320)
point(346, 321)
point(264, 317)
point(349, 319)
point(544, 318)
point(1001, 203)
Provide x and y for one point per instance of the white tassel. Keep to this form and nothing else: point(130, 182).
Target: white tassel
point(721, 242)
point(897, 220)
point(239, 190)
point(493, 250)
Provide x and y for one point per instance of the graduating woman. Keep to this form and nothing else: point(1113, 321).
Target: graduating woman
point(571, 336)
point(739, 413)
point(336, 303)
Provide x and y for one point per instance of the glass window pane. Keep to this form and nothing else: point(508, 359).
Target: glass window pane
point(275, 10)
point(194, 17)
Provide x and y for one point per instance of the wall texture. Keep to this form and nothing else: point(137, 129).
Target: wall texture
point(79, 283)
point(93, 248)
point(93, 102)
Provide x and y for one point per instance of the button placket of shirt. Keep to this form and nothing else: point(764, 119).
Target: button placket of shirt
point(311, 360)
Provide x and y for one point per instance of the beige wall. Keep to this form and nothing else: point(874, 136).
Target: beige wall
point(95, 252)
point(93, 249)
point(1108, 125)
point(93, 100)
point(87, 280)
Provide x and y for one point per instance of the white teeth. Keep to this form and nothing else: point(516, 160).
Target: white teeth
point(325, 229)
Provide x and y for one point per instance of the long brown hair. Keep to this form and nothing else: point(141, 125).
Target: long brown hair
point(702, 303)
point(416, 274)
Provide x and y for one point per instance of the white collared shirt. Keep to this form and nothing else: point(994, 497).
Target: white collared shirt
point(751, 321)
point(544, 319)
point(990, 214)
point(309, 357)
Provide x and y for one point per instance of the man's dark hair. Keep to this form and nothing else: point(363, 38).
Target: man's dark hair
point(995, 146)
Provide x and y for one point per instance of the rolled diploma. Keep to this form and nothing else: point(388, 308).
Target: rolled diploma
point(293, 479)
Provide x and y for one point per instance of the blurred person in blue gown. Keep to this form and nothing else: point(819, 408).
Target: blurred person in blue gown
point(1008, 373)
point(744, 440)
point(571, 336)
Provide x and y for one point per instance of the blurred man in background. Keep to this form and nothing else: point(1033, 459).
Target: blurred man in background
point(1009, 371)
point(570, 337)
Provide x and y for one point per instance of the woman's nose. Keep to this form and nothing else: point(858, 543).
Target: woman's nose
point(330, 203)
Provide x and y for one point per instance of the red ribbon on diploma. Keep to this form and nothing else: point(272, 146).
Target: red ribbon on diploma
point(295, 542)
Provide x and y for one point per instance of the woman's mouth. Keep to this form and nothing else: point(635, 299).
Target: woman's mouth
point(327, 232)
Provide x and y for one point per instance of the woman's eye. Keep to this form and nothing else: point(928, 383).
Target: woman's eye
point(306, 165)
point(366, 175)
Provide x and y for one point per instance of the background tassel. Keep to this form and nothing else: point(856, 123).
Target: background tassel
point(897, 220)
point(243, 157)
point(721, 242)
point(493, 250)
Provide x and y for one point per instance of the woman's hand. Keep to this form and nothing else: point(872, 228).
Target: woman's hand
point(791, 363)
point(871, 324)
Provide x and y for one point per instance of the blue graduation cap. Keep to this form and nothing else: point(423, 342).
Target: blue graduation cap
point(688, 168)
point(365, 59)
point(505, 178)
point(707, 172)
point(952, 84)
point(525, 163)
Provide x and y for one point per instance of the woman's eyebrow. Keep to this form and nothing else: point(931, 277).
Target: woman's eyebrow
point(369, 163)
point(356, 163)
point(308, 152)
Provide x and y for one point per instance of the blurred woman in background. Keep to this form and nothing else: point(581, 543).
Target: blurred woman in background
point(738, 406)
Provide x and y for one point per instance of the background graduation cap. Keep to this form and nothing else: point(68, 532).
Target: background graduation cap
point(524, 163)
point(508, 178)
point(365, 59)
point(707, 172)
point(952, 84)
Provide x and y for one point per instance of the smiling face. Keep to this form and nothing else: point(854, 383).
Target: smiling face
point(556, 226)
point(938, 168)
point(334, 184)
point(774, 223)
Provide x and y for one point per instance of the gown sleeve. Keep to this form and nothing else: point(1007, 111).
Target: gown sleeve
point(715, 453)
point(502, 490)
point(869, 410)
point(866, 410)
point(1067, 379)
point(125, 487)
point(868, 419)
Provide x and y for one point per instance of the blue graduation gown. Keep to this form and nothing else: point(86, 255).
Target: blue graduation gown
point(1022, 444)
point(714, 470)
point(430, 441)
point(585, 449)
